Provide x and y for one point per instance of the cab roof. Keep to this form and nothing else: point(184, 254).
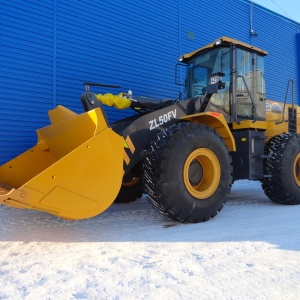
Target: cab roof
point(224, 40)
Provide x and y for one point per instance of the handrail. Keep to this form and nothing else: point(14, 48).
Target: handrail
point(253, 103)
point(284, 105)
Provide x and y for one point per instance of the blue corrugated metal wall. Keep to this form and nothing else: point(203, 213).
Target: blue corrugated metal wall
point(49, 48)
point(26, 62)
point(277, 36)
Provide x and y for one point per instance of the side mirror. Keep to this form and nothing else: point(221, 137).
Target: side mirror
point(215, 83)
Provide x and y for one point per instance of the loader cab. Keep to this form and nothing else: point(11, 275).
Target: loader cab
point(242, 93)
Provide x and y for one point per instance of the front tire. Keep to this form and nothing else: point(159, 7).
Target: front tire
point(283, 165)
point(132, 187)
point(188, 172)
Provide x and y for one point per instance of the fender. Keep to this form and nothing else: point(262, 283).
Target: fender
point(217, 122)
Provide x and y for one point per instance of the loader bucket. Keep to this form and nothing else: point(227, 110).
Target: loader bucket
point(75, 171)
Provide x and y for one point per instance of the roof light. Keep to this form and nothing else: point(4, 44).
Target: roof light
point(218, 42)
point(180, 58)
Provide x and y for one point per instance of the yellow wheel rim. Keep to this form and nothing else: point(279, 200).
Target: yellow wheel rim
point(296, 169)
point(202, 173)
point(132, 182)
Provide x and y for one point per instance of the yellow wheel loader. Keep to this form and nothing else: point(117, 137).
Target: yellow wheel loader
point(185, 154)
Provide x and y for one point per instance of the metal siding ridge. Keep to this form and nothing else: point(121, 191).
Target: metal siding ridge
point(26, 64)
point(20, 12)
point(72, 65)
point(106, 31)
point(123, 36)
point(19, 23)
point(24, 7)
point(26, 35)
point(118, 10)
point(68, 19)
point(10, 50)
point(109, 54)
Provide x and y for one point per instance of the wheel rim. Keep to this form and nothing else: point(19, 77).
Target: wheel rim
point(296, 169)
point(132, 182)
point(202, 173)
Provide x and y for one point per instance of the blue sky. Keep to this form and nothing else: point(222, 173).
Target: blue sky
point(287, 8)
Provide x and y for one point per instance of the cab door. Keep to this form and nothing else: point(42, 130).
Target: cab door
point(244, 84)
point(249, 85)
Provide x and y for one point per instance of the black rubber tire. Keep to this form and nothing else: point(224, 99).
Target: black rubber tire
point(164, 168)
point(131, 189)
point(283, 166)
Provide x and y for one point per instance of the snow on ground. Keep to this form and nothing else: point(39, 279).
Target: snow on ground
point(251, 250)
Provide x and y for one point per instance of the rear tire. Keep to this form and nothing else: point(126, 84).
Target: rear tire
point(188, 172)
point(284, 167)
